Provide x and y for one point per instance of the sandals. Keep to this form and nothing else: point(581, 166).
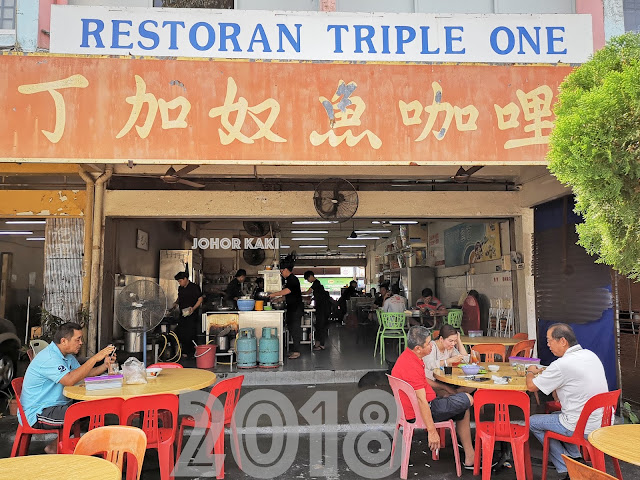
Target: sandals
point(294, 355)
point(318, 347)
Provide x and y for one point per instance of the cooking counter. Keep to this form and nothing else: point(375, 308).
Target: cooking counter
point(255, 319)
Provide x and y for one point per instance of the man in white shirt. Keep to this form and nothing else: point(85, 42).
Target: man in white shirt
point(576, 376)
point(395, 303)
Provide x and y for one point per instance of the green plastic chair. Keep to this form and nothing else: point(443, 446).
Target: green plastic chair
point(393, 325)
point(454, 318)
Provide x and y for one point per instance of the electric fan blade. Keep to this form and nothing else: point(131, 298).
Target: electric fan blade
point(186, 170)
point(190, 183)
point(473, 170)
point(463, 175)
point(170, 172)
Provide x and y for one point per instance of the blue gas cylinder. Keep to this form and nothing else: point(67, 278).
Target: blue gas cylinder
point(269, 349)
point(247, 347)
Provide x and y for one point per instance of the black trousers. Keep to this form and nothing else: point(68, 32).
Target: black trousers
point(186, 331)
point(294, 319)
point(322, 319)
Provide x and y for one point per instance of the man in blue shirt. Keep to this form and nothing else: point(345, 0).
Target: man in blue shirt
point(51, 370)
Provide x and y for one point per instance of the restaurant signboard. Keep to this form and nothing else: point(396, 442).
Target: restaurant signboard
point(323, 36)
point(114, 110)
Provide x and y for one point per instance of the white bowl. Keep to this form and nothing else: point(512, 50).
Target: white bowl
point(494, 368)
point(153, 372)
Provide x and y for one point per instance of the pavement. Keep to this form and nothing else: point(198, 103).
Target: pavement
point(332, 430)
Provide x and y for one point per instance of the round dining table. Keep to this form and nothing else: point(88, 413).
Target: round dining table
point(58, 467)
point(618, 441)
point(459, 378)
point(506, 341)
point(170, 380)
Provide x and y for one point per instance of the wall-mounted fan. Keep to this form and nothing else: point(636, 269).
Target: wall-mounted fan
point(140, 307)
point(254, 256)
point(336, 199)
point(256, 229)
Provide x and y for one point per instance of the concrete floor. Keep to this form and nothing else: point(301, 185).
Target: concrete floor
point(310, 418)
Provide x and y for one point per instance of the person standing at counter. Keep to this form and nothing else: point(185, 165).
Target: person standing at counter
point(321, 299)
point(295, 307)
point(189, 300)
point(234, 289)
point(259, 289)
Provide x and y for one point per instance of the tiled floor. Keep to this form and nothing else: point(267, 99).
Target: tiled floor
point(346, 358)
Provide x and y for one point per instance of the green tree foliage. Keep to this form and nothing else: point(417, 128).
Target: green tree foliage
point(595, 149)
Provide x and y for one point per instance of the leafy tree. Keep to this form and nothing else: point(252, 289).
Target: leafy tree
point(595, 149)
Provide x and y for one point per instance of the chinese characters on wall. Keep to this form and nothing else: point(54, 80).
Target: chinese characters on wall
point(344, 110)
point(146, 110)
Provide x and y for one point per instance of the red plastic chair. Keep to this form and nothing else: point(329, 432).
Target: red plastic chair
point(150, 409)
point(552, 406)
point(24, 431)
point(165, 365)
point(231, 388)
point(490, 350)
point(608, 401)
point(399, 386)
point(95, 410)
point(502, 430)
point(523, 349)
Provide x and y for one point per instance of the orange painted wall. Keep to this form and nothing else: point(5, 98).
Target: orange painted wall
point(42, 203)
point(274, 112)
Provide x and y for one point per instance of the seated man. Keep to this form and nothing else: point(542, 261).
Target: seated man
point(410, 368)
point(395, 303)
point(51, 370)
point(576, 376)
point(430, 304)
point(383, 295)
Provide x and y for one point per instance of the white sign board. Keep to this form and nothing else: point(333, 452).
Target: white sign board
point(270, 35)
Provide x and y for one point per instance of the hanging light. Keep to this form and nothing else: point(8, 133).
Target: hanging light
point(353, 233)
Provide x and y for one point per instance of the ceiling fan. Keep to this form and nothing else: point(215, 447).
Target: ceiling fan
point(463, 176)
point(172, 176)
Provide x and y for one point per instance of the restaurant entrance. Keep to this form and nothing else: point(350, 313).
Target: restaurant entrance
point(451, 257)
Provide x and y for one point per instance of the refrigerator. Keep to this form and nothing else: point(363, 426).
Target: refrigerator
point(174, 261)
point(413, 280)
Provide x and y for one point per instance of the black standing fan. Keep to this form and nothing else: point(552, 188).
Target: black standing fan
point(254, 256)
point(336, 199)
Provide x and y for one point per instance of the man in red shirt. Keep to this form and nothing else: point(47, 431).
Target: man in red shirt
point(410, 368)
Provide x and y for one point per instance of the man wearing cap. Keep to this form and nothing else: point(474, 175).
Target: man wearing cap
point(295, 307)
point(189, 299)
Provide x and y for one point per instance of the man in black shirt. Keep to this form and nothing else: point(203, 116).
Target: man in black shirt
point(321, 299)
point(350, 291)
point(189, 300)
point(295, 307)
point(234, 289)
point(384, 294)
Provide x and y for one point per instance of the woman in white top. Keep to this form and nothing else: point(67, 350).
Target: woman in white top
point(447, 350)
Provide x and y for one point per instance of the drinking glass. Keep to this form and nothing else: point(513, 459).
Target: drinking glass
point(114, 368)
